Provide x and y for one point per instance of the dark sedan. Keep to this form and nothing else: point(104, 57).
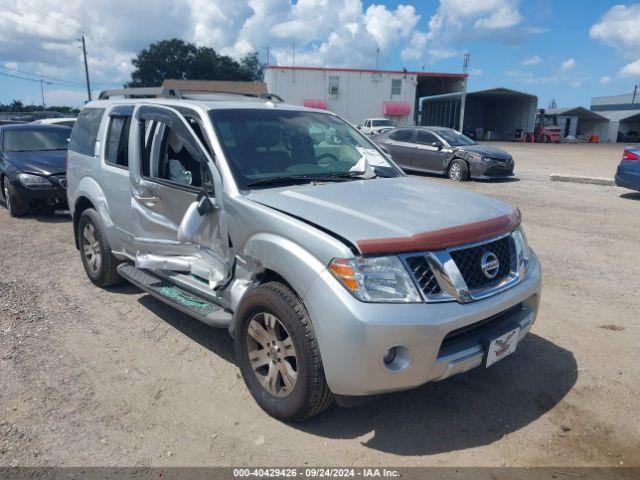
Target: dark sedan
point(33, 162)
point(444, 151)
point(628, 173)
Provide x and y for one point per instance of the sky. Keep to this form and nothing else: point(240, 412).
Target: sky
point(567, 50)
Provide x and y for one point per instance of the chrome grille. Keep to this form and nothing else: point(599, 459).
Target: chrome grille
point(458, 273)
point(423, 275)
point(468, 261)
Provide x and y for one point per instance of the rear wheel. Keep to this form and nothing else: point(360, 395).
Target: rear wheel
point(97, 259)
point(459, 170)
point(16, 204)
point(278, 354)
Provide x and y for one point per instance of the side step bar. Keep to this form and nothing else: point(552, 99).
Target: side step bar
point(194, 306)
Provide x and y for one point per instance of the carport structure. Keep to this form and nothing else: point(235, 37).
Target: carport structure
point(579, 121)
point(621, 122)
point(494, 114)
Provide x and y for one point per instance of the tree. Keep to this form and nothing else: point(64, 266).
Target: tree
point(179, 60)
point(16, 106)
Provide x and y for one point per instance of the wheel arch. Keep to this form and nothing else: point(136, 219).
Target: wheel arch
point(82, 203)
point(270, 257)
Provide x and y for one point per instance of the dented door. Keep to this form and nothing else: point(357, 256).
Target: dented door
point(170, 169)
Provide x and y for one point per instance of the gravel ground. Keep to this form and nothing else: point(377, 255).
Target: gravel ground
point(113, 377)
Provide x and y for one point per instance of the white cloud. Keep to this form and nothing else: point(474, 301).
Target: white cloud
point(532, 60)
point(604, 80)
point(475, 71)
point(630, 70)
point(567, 65)
point(331, 32)
point(458, 21)
point(618, 27)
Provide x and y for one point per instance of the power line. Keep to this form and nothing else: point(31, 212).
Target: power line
point(37, 31)
point(22, 15)
point(76, 29)
point(38, 80)
point(46, 77)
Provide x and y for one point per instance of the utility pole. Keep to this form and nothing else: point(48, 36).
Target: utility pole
point(377, 59)
point(267, 49)
point(44, 106)
point(86, 67)
point(463, 99)
point(635, 91)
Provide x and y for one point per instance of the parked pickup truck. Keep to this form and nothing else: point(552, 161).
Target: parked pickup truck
point(338, 276)
point(373, 126)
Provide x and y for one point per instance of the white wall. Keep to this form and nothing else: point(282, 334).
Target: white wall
point(361, 94)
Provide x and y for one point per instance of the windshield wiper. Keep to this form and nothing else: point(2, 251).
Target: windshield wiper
point(293, 179)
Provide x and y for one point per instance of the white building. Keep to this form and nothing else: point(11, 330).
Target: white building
point(357, 94)
point(623, 112)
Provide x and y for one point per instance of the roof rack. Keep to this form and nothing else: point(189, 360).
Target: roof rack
point(162, 92)
point(140, 92)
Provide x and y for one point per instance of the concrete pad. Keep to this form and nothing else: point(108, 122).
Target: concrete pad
point(609, 182)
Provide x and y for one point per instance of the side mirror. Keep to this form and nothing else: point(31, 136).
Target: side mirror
point(438, 145)
point(194, 219)
point(359, 127)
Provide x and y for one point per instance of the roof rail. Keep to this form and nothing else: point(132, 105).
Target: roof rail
point(268, 96)
point(161, 92)
point(140, 92)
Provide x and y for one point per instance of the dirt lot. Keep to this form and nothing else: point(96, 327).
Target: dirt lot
point(92, 377)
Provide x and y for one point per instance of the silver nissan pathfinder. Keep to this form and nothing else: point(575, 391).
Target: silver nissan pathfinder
point(337, 275)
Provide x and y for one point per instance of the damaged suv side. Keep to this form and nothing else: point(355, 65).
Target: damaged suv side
point(337, 275)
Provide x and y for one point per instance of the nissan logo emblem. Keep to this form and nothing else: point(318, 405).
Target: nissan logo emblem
point(490, 264)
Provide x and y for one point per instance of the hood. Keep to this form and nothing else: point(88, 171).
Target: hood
point(487, 151)
point(42, 162)
point(391, 215)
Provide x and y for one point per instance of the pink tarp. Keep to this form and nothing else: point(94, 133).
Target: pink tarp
point(396, 109)
point(311, 103)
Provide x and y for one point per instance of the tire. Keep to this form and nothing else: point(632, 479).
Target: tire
point(458, 171)
point(17, 205)
point(295, 349)
point(95, 252)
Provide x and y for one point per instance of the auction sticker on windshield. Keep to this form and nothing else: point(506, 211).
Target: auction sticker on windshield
point(502, 346)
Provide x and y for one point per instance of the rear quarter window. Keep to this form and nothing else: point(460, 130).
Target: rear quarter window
point(85, 131)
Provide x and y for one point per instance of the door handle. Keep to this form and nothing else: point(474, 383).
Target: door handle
point(150, 198)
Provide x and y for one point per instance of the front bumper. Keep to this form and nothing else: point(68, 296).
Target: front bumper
point(483, 170)
point(353, 336)
point(54, 193)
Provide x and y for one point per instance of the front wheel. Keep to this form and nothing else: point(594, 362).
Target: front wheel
point(278, 354)
point(459, 171)
point(97, 259)
point(16, 204)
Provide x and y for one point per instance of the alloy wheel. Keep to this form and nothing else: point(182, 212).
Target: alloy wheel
point(7, 198)
point(455, 171)
point(272, 354)
point(91, 248)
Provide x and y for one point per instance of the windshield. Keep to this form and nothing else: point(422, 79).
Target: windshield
point(262, 144)
point(381, 123)
point(453, 137)
point(36, 140)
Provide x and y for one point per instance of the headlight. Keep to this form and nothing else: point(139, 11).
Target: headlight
point(375, 279)
point(29, 180)
point(523, 244)
point(474, 156)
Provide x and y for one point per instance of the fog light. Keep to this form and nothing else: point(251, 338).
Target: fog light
point(396, 358)
point(390, 355)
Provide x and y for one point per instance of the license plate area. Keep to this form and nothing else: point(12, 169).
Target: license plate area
point(501, 345)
